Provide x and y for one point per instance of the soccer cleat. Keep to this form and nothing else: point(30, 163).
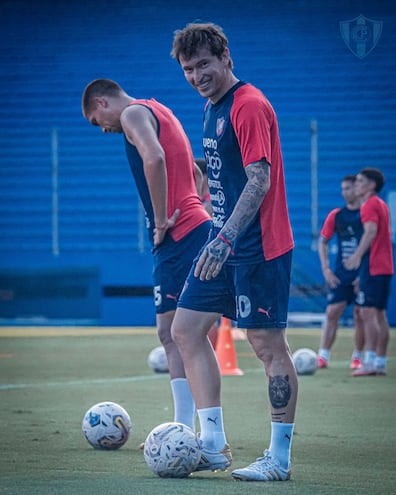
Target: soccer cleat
point(380, 371)
point(365, 370)
point(322, 362)
point(215, 461)
point(355, 363)
point(265, 468)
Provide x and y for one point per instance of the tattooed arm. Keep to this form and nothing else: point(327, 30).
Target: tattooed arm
point(249, 202)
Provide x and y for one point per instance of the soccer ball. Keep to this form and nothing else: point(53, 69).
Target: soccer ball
point(106, 426)
point(171, 450)
point(157, 360)
point(305, 361)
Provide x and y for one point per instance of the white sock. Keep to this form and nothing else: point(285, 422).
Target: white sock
point(380, 361)
point(212, 428)
point(356, 354)
point(281, 440)
point(369, 358)
point(324, 353)
point(183, 402)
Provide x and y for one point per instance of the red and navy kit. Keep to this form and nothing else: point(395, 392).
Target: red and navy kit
point(179, 170)
point(380, 256)
point(347, 225)
point(377, 267)
point(174, 256)
point(253, 285)
point(241, 128)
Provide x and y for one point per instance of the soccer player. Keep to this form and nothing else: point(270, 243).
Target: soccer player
point(243, 271)
point(375, 257)
point(162, 163)
point(345, 223)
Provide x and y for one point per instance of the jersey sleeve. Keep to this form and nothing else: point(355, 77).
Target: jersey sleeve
point(368, 212)
point(328, 227)
point(252, 117)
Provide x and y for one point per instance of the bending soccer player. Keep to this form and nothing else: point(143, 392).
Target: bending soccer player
point(162, 163)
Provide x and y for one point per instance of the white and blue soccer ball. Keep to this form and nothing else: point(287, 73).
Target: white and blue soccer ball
point(106, 426)
point(306, 361)
point(157, 360)
point(171, 450)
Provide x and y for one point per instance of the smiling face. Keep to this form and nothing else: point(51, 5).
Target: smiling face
point(209, 74)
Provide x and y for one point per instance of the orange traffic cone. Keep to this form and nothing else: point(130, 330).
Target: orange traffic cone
point(225, 350)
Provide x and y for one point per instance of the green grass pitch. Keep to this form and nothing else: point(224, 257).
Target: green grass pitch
point(344, 441)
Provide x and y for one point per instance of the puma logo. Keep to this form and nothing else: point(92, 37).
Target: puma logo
point(213, 420)
point(264, 311)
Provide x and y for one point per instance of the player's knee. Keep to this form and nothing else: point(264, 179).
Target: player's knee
point(164, 334)
point(268, 346)
point(176, 333)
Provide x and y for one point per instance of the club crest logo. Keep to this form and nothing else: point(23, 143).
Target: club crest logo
point(220, 126)
point(361, 35)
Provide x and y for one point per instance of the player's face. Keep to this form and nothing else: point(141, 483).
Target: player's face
point(207, 73)
point(105, 116)
point(364, 186)
point(348, 191)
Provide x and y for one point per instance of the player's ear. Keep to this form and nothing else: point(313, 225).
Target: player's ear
point(101, 101)
point(226, 57)
point(226, 54)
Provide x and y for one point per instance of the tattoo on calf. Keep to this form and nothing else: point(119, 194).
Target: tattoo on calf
point(279, 391)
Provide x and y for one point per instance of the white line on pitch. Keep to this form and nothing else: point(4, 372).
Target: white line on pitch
point(95, 381)
point(73, 383)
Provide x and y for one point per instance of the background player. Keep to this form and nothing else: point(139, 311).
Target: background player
point(345, 223)
point(162, 163)
point(374, 255)
point(243, 272)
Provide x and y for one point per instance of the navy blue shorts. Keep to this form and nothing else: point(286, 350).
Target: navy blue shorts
point(341, 293)
point(172, 263)
point(374, 291)
point(255, 295)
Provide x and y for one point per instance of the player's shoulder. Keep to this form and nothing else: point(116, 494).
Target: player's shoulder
point(250, 98)
point(248, 91)
point(372, 204)
point(332, 213)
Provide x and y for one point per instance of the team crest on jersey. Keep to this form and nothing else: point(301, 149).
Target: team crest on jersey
point(220, 126)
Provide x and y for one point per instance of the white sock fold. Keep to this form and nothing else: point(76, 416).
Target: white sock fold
point(369, 358)
point(380, 361)
point(324, 353)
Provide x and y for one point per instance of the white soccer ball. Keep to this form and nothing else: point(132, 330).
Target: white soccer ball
point(172, 450)
point(157, 360)
point(106, 426)
point(305, 361)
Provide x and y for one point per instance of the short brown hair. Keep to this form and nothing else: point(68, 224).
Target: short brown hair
point(98, 87)
point(375, 175)
point(349, 178)
point(188, 41)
